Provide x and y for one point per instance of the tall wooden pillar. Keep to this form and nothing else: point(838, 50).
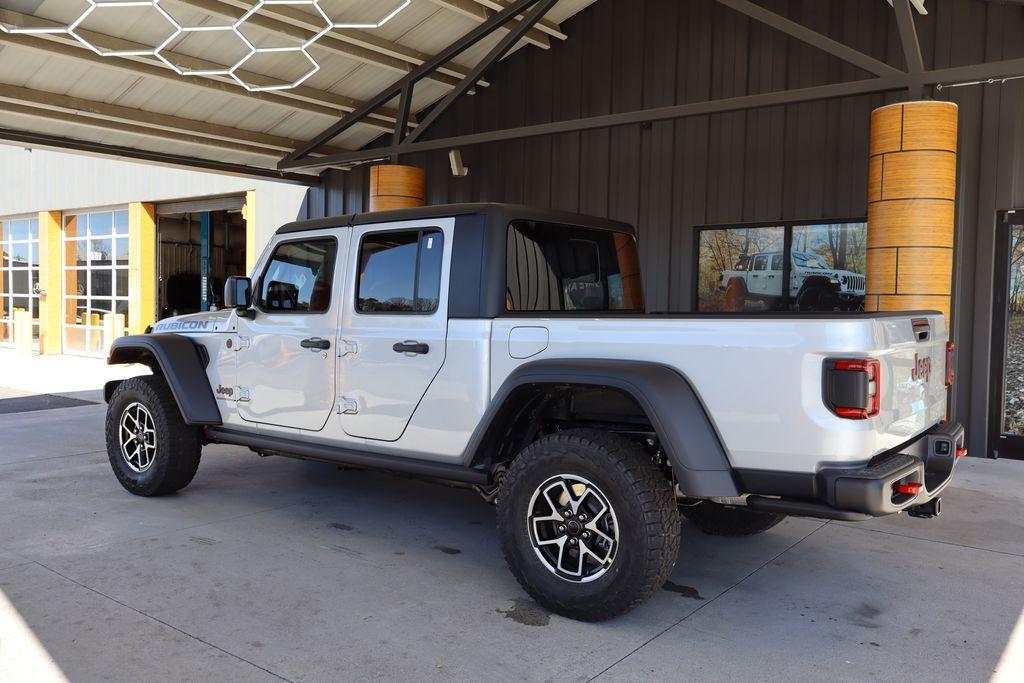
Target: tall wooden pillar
point(911, 202)
point(396, 187)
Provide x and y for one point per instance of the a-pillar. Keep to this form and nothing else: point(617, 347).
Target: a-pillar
point(911, 202)
point(396, 187)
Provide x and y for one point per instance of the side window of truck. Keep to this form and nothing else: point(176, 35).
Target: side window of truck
point(400, 272)
point(298, 278)
point(570, 268)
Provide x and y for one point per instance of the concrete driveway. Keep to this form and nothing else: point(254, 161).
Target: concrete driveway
point(271, 569)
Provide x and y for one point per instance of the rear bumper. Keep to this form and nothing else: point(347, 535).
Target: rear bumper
point(862, 493)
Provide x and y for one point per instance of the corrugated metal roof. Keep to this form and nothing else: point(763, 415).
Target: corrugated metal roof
point(52, 84)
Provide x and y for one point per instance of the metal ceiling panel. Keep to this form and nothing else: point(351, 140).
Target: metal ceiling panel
point(353, 68)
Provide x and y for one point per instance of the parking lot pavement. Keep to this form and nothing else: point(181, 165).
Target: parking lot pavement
point(270, 569)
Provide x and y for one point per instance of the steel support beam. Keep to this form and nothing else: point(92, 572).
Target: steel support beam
point(53, 142)
point(1001, 69)
point(911, 46)
point(811, 37)
point(504, 45)
point(395, 89)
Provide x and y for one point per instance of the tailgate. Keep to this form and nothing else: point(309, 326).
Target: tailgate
point(913, 368)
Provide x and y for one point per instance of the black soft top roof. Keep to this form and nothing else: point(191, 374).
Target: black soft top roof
point(497, 214)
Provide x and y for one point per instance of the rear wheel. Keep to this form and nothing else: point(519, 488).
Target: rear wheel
point(588, 524)
point(716, 519)
point(151, 449)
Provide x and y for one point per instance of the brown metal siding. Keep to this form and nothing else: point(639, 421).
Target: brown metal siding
point(805, 161)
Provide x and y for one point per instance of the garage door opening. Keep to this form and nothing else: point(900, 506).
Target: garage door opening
point(199, 248)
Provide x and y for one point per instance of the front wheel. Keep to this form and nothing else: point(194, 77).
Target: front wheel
point(151, 449)
point(588, 524)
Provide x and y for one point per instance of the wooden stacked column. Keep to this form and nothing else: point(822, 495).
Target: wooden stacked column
point(911, 201)
point(396, 187)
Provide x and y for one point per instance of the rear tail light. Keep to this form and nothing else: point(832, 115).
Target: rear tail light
point(950, 358)
point(961, 452)
point(853, 387)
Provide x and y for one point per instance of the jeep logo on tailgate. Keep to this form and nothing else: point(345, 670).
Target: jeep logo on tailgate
point(922, 369)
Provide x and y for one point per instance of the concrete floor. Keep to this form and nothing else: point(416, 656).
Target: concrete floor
point(270, 569)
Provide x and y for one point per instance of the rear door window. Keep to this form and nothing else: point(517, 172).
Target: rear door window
point(400, 272)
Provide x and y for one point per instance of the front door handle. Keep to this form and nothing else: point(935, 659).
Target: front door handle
point(316, 344)
point(411, 347)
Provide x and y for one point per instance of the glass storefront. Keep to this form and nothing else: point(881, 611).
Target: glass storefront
point(19, 274)
point(95, 277)
point(745, 269)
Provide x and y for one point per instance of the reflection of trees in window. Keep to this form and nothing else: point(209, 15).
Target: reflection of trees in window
point(842, 246)
point(1016, 300)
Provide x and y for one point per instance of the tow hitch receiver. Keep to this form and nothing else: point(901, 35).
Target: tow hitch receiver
point(926, 510)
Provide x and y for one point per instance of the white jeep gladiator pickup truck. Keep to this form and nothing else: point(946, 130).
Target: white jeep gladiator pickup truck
point(506, 348)
point(812, 284)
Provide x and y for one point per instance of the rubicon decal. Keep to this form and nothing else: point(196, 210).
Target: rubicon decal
point(186, 326)
point(922, 369)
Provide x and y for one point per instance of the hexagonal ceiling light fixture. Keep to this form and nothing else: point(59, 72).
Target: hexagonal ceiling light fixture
point(94, 5)
point(222, 71)
point(301, 49)
point(177, 30)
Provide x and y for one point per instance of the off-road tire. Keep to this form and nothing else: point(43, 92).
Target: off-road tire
point(816, 298)
point(715, 519)
point(645, 509)
point(178, 445)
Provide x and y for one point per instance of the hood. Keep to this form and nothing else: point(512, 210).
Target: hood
point(211, 321)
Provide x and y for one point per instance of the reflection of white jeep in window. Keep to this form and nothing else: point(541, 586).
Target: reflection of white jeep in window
point(506, 349)
point(812, 284)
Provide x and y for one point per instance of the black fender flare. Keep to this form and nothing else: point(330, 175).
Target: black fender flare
point(181, 362)
point(684, 427)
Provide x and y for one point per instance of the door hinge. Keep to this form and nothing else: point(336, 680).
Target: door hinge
point(349, 347)
point(347, 406)
point(243, 343)
point(243, 395)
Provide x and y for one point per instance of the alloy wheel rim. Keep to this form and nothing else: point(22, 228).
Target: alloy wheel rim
point(572, 528)
point(137, 436)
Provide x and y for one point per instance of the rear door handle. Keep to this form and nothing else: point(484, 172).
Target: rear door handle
point(315, 343)
point(411, 347)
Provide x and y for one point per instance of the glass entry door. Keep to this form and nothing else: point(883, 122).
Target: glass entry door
point(19, 274)
point(1007, 393)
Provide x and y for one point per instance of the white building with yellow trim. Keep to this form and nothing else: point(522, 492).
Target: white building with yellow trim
point(94, 248)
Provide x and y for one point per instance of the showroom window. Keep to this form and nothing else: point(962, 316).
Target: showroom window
point(19, 274)
point(745, 269)
point(95, 276)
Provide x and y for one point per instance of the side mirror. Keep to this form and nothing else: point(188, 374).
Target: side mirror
point(238, 294)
